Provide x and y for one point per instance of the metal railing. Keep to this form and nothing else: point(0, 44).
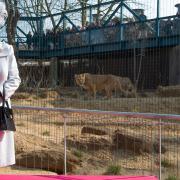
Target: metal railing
point(132, 31)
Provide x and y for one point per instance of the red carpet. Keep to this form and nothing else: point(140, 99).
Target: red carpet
point(45, 177)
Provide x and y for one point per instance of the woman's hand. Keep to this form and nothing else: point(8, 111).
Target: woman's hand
point(1, 135)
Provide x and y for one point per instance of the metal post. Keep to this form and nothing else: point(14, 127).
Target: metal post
point(134, 64)
point(41, 19)
point(89, 30)
point(160, 145)
point(17, 44)
point(41, 25)
point(121, 21)
point(157, 19)
point(65, 147)
point(90, 15)
point(63, 34)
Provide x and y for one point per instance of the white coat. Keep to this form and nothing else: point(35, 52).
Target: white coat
point(9, 76)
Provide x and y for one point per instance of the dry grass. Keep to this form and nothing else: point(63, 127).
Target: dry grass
point(39, 122)
point(152, 104)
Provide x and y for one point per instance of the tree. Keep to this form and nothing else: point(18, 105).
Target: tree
point(13, 17)
point(83, 4)
point(38, 8)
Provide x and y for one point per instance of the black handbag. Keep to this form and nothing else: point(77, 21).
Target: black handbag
point(6, 115)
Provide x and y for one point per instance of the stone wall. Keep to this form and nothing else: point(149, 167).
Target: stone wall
point(174, 66)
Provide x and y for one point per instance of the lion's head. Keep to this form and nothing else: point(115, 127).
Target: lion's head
point(80, 79)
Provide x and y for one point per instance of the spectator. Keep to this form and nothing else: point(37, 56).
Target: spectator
point(168, 27)
point(142, 26)
point(178, 12)
point(29, 39)
point(35, 40)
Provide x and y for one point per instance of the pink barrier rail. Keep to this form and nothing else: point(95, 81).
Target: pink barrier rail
point(41, 177)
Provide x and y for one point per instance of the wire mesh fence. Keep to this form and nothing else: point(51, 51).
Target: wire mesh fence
point(119, 56)
point(85, 142)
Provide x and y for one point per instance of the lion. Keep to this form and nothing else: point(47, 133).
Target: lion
point(127, 86)
point(96, 83)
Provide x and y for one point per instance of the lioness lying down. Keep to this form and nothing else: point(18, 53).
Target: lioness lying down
point(95, 83)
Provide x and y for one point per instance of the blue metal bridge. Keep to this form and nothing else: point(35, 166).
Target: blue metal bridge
point(112, 35)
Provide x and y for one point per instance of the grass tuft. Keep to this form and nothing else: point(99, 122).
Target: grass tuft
point(171, 177)
point(46, 133)
point(113, 170)
point(78, 153)
point(165, 163)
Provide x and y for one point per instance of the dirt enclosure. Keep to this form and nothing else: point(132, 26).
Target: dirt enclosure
point(162, 100)
point(92, 153)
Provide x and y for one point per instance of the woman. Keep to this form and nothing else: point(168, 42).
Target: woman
point(10, 80)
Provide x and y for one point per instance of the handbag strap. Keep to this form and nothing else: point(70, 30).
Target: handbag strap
point(3, 98)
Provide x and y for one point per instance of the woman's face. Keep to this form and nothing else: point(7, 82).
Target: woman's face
point(3, 16)
point(2, 21)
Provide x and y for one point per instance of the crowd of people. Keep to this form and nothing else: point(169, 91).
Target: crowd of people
point(51, 39)
point(77, 36)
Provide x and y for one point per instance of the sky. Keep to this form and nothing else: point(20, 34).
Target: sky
point(167, 8)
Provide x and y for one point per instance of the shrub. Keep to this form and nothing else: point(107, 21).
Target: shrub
point(165, 163)
point(77, 153)
point(171, 177)
point(113, 170)
point(46, 133)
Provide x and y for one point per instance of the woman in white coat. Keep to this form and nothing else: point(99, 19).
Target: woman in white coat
point(9, 78)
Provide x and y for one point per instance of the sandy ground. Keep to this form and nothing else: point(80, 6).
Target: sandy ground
point(22, 170)
point(73, 98)
point(49, 126)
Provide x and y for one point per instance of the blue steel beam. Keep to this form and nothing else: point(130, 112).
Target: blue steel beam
point(65, 17)
point(108, 20)
point(99, 48)
point(71, 22)
point(157, 20)
point(20, 40)
point(21, 30)
point(26, 18)
point(137, 16)
point(131, 11)
point(121, 20)
point(61, 19)
point(90, 15)
point(87, 7)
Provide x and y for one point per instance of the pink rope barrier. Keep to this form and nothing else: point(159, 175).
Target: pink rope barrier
point(52, 177)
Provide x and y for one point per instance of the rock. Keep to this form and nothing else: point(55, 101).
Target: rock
point(168, 91)
point(51, 160)
point(156, 148)
point(89, 142)
point(34, 152)
point(20, 95)
point(138, 145)
point(94, 130)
